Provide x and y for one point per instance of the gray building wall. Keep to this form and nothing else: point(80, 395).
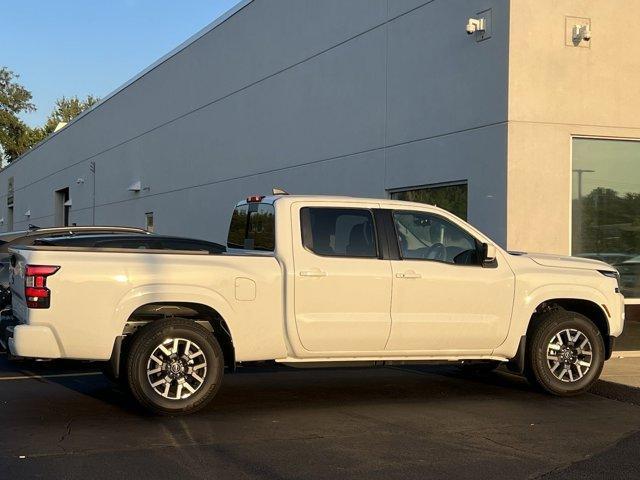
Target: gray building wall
point(328, 96)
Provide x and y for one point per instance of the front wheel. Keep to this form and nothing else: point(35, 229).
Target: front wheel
point(175, 366)
point(565, 354)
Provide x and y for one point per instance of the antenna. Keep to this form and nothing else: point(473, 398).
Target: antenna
point(279, 191)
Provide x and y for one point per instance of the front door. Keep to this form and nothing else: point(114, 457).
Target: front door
point(444, 299)
point(342, 287)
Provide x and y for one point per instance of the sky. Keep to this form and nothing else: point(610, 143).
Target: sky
point(80, 47)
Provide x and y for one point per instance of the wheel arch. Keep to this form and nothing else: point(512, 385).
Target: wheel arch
point(148, 308)
point(590, 308)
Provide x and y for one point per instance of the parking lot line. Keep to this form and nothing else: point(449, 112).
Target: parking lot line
point(58, 375)
point(626, 353)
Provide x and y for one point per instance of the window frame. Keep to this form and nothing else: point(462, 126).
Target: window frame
point(306, 226)
point(478, 244)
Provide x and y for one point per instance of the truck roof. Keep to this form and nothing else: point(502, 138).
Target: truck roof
point(271, 199)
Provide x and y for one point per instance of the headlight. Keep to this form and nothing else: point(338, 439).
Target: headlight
point(611, 274)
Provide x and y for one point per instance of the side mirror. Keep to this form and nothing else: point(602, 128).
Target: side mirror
point(489, 253)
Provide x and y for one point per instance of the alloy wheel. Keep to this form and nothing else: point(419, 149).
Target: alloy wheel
point(177, 368)
point(569, 355)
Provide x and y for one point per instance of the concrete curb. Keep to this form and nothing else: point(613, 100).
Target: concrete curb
point(617, 391)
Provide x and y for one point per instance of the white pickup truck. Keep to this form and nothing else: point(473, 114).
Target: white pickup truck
point(312, 280)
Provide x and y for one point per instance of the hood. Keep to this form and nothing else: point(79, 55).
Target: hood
point(562, 261)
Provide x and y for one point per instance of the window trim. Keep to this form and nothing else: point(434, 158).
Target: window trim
point(305, 225)
point(478, 243)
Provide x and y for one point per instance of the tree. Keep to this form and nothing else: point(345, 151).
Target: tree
point(15, 136)
point(66, 109)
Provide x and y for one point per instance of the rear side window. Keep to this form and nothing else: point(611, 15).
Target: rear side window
point(253, 227)
point(339, 232)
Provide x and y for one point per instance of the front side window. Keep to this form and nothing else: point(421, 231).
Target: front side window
point(339, 232)
point(253, 227)
point(606, 206)
point(423, 236)
point(452, 197)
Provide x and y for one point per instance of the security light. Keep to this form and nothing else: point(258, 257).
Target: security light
point(475, 25)
point(581, 32)
point(135, 186)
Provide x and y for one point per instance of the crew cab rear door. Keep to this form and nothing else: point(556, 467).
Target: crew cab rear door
point(342, 285)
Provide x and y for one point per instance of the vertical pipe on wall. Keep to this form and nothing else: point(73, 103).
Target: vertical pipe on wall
point(92, 167)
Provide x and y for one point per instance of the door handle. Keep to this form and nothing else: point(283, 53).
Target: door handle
point(316, 272)
point(408, 274)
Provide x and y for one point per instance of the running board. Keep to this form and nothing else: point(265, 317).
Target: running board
point(387, 360)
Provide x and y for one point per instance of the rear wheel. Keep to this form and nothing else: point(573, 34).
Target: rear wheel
point(565, 354)
point(175, 366)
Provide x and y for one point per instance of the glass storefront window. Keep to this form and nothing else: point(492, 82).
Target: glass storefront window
point(606, 206)
point(452, 197)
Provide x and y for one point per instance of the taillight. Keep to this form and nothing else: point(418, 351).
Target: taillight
point(35, 285)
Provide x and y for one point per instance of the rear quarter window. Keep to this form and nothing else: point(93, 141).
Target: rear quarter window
point(253, 227)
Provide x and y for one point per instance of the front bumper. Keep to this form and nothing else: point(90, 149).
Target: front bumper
point(33, 341)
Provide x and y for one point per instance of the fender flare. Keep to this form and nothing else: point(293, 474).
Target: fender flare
point(146, 294)
point(514, 347)
point(548, 293)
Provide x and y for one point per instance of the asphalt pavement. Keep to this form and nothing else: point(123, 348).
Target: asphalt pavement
point(68, 421)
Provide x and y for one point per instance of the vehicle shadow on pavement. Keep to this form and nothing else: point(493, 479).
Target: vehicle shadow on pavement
point(260, 390)
point(280, 422)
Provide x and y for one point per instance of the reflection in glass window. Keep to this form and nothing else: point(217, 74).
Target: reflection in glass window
point(452, 198)
point(606, 206)
point(339, 232)
point(423, 236)
point(253, 227)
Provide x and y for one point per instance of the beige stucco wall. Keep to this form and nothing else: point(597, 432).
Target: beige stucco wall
point(556, 92)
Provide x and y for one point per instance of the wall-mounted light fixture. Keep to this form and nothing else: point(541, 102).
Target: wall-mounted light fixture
point(27, 213)
point(80, 181)
point(581, 32)
point(2, 221)
point(475, 25)
point(135, 187)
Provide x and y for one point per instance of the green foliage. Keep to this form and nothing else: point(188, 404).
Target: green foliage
point(66, 109)
point(610, 222)
point(450, 197)
point(15, 136)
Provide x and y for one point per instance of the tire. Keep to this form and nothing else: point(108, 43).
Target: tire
point(174, 366)
point(556, 357)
